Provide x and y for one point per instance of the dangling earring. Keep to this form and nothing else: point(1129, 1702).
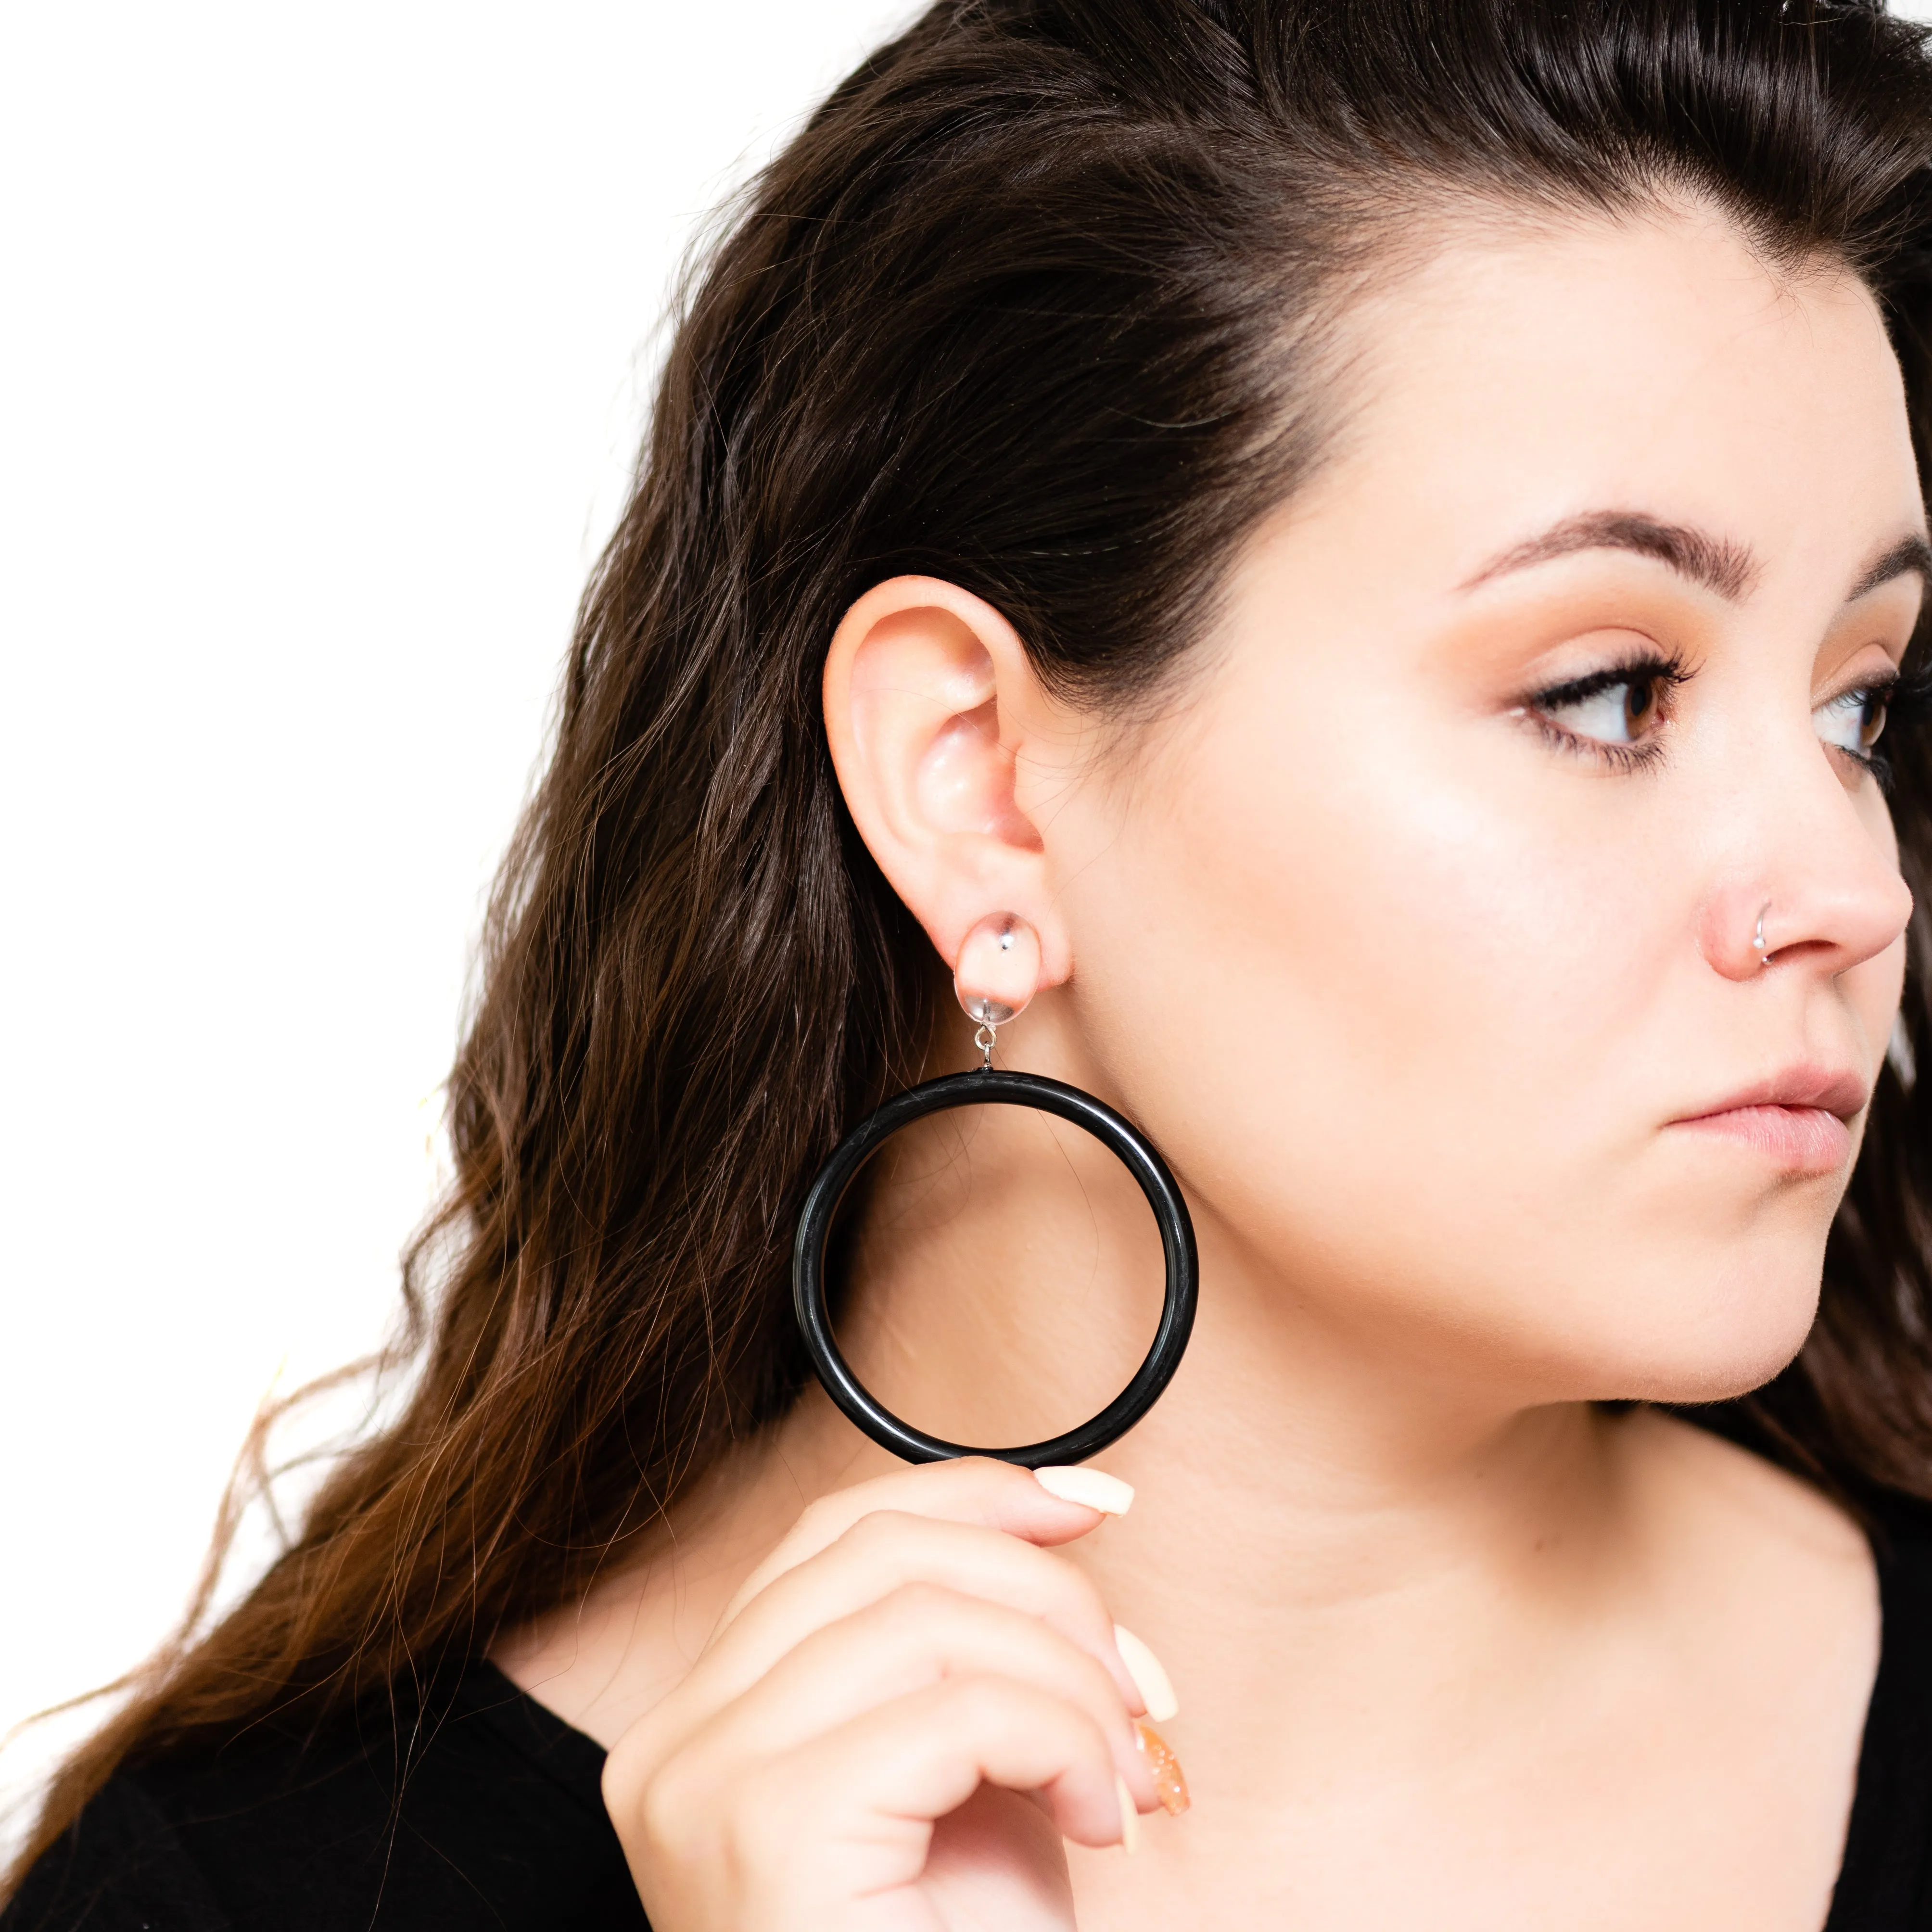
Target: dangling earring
point(996, 975)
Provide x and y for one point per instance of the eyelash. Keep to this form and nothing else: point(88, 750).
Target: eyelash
point(1906, 697)
point(1669, 672)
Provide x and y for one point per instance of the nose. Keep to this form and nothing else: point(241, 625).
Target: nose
point(1812, 881)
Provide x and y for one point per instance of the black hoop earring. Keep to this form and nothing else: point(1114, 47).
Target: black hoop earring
point(987, 1085)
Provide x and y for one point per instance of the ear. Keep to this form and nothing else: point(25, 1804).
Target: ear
point(930, 705)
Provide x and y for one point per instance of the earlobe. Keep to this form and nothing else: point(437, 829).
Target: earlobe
point(931, 705)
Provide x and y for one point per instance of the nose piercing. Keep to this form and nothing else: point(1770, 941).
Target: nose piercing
point(1757, 940)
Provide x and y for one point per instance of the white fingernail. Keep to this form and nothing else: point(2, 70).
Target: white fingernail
point(1092, 1487)
point(1130, 1819)
point(1156, 1686)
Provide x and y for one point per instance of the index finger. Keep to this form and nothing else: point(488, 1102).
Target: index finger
point(1046, 1506)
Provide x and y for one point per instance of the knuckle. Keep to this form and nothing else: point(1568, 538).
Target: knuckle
point(626, 1771)
point(816, 1515)
point(920, 1602)
point(881, 1536)
point(879, 1525)
point(667, 1812)
point(980, 1701)
point(987, 1472)
point(704, 1810)
point(1079, 1596)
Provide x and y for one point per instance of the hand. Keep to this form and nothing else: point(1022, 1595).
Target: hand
point(901, 1713)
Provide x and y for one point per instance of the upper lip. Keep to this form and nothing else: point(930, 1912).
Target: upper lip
point(1834, 1090)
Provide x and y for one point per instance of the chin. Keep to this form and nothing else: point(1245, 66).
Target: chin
point(1723, 1344)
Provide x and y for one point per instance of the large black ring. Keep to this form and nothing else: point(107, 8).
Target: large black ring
point(985, 1086)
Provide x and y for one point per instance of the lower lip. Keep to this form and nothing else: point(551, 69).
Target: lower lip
point(1801, 1140)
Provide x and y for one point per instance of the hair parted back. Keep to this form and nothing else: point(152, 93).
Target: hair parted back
point(1045, 299)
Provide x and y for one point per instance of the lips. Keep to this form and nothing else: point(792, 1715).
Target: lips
point(1834, 1090)
point(1800, 1120)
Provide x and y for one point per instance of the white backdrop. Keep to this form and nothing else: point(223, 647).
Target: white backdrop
point(322, 345)
point(323, 341)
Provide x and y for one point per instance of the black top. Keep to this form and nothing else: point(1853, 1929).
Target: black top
point(499, 1826)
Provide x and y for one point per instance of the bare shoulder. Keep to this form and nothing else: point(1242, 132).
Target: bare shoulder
point(600, 1662)
point(1748, 1536)
point(1764, 1595)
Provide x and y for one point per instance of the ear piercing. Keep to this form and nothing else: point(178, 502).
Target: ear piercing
point(997, 974)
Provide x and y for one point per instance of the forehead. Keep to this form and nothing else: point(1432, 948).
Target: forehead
point(1517, 377)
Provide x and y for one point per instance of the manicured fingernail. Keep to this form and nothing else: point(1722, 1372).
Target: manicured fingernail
point(1130, 1820)
point(1094, 1488)
point(1156, 1686)
point(1170, 1786)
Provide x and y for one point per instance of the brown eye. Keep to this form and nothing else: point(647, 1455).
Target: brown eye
point(1618, 708)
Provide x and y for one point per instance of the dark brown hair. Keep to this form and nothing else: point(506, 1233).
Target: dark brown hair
point(1042, 301)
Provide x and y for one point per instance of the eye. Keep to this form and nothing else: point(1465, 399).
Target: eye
point(1853, 720)
point(1619, 714)
point(1624, 706)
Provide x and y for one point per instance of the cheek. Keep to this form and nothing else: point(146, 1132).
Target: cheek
point(1396, 937)
point(1875, 988)
point(1418, 1006)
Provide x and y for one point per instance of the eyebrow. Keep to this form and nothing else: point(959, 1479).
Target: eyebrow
point(1728, 568)
point(1908, 555)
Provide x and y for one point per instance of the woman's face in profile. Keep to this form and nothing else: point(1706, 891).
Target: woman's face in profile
point(1424, 931)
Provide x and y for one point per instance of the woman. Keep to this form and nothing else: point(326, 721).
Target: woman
point(1376, 543)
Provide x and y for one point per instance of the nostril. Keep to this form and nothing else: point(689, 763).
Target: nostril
point(1737, 933)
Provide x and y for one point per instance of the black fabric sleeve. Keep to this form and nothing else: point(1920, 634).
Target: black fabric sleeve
point(1883, 1885)
point(477, 1811)
point(119, 1868)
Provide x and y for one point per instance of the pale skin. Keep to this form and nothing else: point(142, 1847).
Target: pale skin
point(1440, 995)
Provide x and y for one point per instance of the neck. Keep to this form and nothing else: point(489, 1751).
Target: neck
point(1307, 1486)
point(1360, 1551)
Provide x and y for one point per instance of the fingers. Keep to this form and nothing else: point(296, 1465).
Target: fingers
point(924, 1755)
point(1051, 1507)
point(918, 1635)
point(883, 1552)
point(796, 1838)
point(912, 1639)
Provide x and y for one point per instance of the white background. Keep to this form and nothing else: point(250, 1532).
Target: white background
point(324, 337)
point(324, 334)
